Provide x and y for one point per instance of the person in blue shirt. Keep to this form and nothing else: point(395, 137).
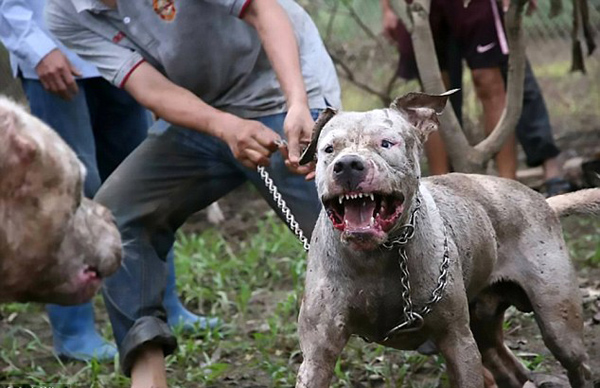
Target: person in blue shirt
point(102, 124)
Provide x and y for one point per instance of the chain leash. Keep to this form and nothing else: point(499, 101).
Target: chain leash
point(412, 321)
point(282, 205)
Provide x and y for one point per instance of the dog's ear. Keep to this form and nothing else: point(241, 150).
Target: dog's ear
point(20, 149)
point(421, 110)
point(309, 153)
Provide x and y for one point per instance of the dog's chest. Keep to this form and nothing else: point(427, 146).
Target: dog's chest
point(376, 306)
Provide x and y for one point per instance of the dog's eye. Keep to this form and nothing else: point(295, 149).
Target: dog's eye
point(386, 144)
point(328, 149)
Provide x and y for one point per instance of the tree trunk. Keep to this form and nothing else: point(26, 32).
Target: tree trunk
point(463, 156)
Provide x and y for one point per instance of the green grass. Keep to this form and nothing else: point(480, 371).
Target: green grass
point(253, 284)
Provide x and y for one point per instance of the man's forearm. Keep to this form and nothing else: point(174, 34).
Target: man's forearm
point(250, 141)
point(277, 35)
point(172, 102)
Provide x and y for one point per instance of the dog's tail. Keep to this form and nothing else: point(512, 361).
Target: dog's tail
point(582, 202)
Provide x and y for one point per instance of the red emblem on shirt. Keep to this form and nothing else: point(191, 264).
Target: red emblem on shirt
point(118, 37)
point(165, 9)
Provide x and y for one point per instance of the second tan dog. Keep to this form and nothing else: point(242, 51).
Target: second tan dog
point(55, 247)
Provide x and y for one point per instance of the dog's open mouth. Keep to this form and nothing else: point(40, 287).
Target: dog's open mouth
point(92, 272)
point(364, 212)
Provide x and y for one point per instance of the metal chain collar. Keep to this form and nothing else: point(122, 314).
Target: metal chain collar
point(412, 320)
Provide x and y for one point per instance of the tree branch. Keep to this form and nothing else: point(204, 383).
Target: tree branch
point(362, 25)
point(457, 146)
point(330, 22)
point(514, 89)
point(556, 8)
point(349, 75)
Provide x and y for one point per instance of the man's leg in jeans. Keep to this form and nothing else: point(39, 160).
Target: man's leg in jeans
point(120, 124)
point(170, 176)
point(73, 330)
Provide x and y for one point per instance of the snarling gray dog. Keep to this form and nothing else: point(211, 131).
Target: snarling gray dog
point(401, 260)
point(55, 246)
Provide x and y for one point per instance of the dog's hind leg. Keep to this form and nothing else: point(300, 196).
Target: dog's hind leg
point(487, 317)
point(562, 330)
point(558, 312)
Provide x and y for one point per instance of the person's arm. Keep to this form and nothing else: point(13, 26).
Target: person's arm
point(22, 36)
point(250, 141)
point(279, 41)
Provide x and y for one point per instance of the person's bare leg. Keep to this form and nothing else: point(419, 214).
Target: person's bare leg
point(435, 150)
point(149, 368)
point(437, 158)
point(489, 87)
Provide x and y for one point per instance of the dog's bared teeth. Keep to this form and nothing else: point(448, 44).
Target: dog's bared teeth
point(341, 199)
point(372, 197)
point(372, 222)
point(360, 195)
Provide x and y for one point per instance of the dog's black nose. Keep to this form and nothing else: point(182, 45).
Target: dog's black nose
point(349, 170)
point(348, 163)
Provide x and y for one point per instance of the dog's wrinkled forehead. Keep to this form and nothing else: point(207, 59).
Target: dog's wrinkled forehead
point(412, 113)
point(356, 127)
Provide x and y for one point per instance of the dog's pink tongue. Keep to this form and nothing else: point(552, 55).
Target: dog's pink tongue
point(358, 213)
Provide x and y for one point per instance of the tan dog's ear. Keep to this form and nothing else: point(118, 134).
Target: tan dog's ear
point(20, 150)
point(309, 153)
point(421, 110)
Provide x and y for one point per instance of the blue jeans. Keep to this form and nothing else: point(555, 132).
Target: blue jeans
point(174, 173)
point(534, 131)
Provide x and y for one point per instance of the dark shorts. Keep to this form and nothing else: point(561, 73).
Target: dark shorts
point(478, 31)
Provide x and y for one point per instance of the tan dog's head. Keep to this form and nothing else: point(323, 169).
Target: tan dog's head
point(90, 251)
point(55, 246)
point(368, 165)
